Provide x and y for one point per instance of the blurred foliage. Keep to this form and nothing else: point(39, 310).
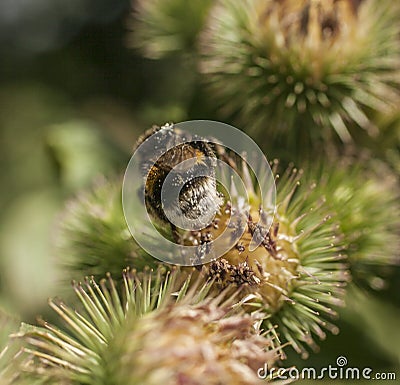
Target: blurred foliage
point(74, 97)
point(167, 27)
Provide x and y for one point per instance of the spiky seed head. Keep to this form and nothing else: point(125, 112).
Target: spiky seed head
point(200, 344)
point(365, 196)
point(297, 274)
point(303, 72)
point(155, 330)
point(93, 237)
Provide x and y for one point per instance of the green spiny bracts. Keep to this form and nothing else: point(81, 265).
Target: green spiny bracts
point(303, 72)
point(94, 238)
point(12, 358)
point(15, 367)
point(164, 27)
point(176, 339)
point(7, 324)
point(297, 273)
point(156, 330)
point(7, 375)
point(365, 196)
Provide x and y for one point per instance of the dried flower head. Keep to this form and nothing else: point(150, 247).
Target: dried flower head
point(303, 70)
point(199, 344)
point(149, 333)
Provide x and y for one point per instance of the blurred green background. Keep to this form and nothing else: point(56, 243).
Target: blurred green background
point(73, 99)
point(68, 106)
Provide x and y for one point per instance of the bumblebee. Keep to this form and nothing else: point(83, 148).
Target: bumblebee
point(186, 163)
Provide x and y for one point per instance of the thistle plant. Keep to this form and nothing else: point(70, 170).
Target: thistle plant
point(154, 331)
point(93, 238)
point(298, 273)
point(303, 72)
point(167, 27)
point(296, 276)
point(308, 78)
point(364, 194)
point(177, 338)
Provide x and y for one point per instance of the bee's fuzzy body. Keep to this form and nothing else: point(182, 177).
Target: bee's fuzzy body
point(189, 162)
